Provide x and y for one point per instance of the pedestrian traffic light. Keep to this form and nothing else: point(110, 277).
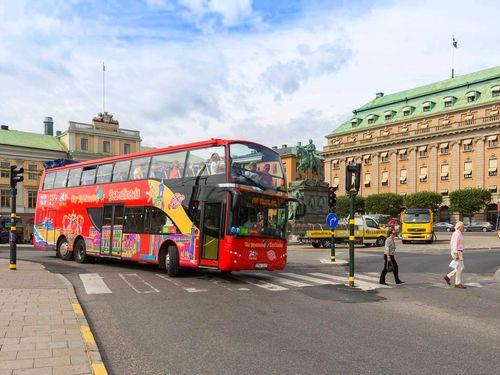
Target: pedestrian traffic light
point(352, 177)
point(15, 175)
point(332, 198)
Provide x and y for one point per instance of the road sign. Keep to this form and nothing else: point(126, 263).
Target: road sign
point(332, 221)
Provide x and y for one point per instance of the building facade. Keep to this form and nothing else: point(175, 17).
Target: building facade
point(439, 137)
point(80, 141)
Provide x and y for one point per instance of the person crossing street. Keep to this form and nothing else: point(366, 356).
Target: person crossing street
point(390, 259)
point(457, 248)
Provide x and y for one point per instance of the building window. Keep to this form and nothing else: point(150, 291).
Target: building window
point(106, 147)
point(422, 151)
point(493, 189)
point(32, 172)
point(368, 160)
point(84, 144)
point(335, 164)
point(467, 144)
point(4, 169)
point(383, 157)
point(406, 112)
point(403, 155)
point(367, 179)
point(471, 97)
point(385, 178)
point(444, 192)
point(448, 104)
point(468, 169)
point(4, 198)
point(444, 172)
point(126, 148)
point(493, 141)
point(444, 149)
point(403, 177)
point(32, 199)
point(492, 167)
point(336, 182)
point(423, 174)
point(495, 91)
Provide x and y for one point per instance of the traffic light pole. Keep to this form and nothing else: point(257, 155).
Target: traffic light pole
point(352, 196)
point(332, 246)
point(12, 236)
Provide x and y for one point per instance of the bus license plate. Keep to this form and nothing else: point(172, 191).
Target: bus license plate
point(260, 265)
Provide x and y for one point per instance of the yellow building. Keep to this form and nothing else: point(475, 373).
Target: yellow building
point(439, 137)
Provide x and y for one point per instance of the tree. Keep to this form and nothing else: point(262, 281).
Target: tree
point(424, 199)
point(469, 201)
point(386, 203)
point(343, 207)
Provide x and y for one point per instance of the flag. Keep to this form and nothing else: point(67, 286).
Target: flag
point(455, 43)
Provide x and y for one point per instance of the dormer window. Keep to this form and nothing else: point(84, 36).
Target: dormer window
point(495, 91)
point(427, 106)
point(408, 110)
point(371, 119)
point(449, 101)
point(355, 122)
point(472, 96)
point(389, 115)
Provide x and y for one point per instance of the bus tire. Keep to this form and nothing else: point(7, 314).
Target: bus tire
point(62, 250)
point(380, 241)
point(80, 253)
point(316, 244)
point(172, 261)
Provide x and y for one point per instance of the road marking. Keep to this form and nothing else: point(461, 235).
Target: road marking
point(309, 278)
point(363, 285)
point(94, 284)
point(176, 283)
point(143, 286)
point(282, 280)
point(260, 283)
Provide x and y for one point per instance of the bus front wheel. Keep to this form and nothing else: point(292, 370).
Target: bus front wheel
point(172, 261)
point(80, 253)
point(62, 250)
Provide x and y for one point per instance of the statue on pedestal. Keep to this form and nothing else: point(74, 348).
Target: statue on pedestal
point(310, 160)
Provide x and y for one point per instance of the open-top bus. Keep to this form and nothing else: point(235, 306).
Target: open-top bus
point(217, 204)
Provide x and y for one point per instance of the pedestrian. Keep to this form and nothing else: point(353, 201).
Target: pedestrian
point(389, 259)
point(457, 248)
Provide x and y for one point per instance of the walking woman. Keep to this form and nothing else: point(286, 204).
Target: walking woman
point(389, 259)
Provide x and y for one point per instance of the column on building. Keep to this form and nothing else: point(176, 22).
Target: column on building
point(393, 178)
point(455, 166)
point(328, 166)
point(479, 168)
point(412, 170)
point(432, 168)
point(375, 178)
point(342, 164)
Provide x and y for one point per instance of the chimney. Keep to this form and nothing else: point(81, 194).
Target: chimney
point(283, 146)
point(299, 143)
point(5, 127)
point(48, 126)
point(379, 94)
point(275, 147)
point(58, 133)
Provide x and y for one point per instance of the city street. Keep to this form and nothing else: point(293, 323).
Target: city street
point(301, 320)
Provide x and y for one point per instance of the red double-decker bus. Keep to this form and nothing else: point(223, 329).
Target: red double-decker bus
point(219, 204)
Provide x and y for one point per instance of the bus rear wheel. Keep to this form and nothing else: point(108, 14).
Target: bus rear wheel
point(172, 261)
point(62, 250)
point(80, 253)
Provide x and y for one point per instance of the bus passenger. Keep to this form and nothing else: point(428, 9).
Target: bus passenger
point(265, 177)
point(215, 166)
point(189, 170)
point(138, 173)
point(175, 172)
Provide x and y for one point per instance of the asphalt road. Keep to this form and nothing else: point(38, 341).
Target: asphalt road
point(279, 323)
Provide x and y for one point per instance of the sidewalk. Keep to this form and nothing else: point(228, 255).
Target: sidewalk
point(42, 326)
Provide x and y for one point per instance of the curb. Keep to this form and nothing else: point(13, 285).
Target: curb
point(91, 347)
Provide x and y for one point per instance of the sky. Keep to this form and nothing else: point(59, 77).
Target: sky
point(272, 71)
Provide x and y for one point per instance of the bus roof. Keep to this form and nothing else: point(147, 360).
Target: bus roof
point(193, 145)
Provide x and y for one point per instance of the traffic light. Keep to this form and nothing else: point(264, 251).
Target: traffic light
point(332, 198)
point(353, 177)
point(15, 175)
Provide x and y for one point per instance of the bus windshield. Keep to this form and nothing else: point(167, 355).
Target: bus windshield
point(259, 216)
point(256, 165)
point(417, 218)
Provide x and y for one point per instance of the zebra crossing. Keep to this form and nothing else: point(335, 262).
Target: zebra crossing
point(245, 282)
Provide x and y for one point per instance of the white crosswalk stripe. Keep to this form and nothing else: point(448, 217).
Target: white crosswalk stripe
point(94, 284)
point(358, 282)
point(309, 278)
point(260, 283)
point(282, 280)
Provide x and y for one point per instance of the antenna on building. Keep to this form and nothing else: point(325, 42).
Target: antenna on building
point(103, 88)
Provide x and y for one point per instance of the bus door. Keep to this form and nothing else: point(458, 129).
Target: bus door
point(211, 232)
point(112, 228)
point(50, 229)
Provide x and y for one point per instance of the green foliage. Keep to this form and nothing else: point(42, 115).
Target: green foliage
point(343, 207)
point(424, 199)
point(469, 201)
point(386, 203)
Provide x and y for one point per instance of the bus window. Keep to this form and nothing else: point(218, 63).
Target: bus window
point(168, 166)
point(74, 177)
point(154, 220)
point(104, 173)
point(88, 175)
point(121, 170)
point(139, 168)
point(61, 179)
point(48, 181)
point(133, 220)
point(207, 161)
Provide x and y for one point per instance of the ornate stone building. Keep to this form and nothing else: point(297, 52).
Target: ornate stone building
point(439, 137)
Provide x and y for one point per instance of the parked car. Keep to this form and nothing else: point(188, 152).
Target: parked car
point(482, 226)
point(443, 226)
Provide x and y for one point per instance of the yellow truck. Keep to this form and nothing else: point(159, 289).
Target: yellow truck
point(366, 231)
point(416, 225)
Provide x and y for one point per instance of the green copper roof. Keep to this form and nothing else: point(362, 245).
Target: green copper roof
point(456, 88)
point(30, 140)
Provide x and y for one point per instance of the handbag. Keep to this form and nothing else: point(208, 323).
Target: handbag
point(390, 267)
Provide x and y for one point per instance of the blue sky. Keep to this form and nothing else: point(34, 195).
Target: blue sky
point(276, 72)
